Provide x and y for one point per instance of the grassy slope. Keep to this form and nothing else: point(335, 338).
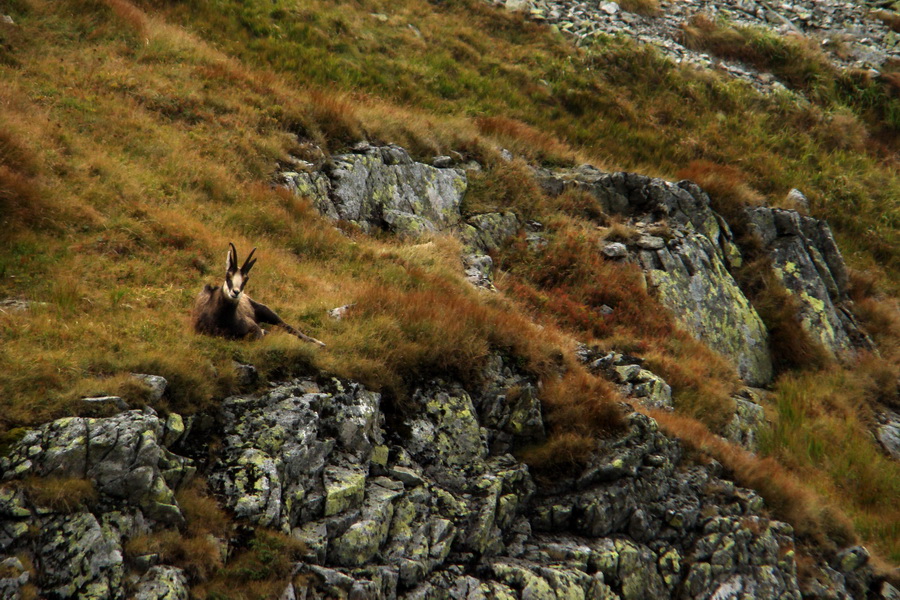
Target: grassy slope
point(136, 142)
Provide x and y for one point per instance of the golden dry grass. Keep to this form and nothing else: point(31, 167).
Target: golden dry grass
point(60, 494)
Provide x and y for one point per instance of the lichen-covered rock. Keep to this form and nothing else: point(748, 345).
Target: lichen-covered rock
point(486, 232)
point(162, 583)
point(748, 422)
point(273, 467)
point(810, 265)
point(344, 488)
point(888, 433)
point(508, 407)
point(383, 188)
point(435, 508)
point(479, 270)
point(155, 383)
point(81, 557)
point(764, 548)
point(315, 186)
point(690, 278)
point(688, 269)
point(125, 456)
point(445, 435)
point(362, 540)
point(15, 517)
point(13, 577)
point(627, 372)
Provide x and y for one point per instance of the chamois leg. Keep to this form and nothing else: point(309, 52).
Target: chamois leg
point(264, 314)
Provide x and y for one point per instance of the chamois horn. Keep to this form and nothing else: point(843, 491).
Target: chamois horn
point(248, 264)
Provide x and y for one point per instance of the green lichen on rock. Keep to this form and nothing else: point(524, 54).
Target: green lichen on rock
point(344, 488)
point(125, 456)
point(162, 583)
point(362, 540)
point(81, 557)
point(384, 187)
point(809, 264)
point(446, 433)
point(690, 279)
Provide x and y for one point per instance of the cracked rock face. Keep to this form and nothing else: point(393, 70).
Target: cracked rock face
point(382, 187)
point(125, 456)
point(810, 265)
point(434, 507)
point(688, 269)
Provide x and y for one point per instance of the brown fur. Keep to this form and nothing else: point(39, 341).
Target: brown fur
point(214, 315)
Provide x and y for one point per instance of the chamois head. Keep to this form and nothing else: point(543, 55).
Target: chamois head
point(236, 279)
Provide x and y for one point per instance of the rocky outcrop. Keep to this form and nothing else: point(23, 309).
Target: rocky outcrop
point(382, 187)
point(432, 506)
point(867, 41)
point(125, 456)
point(685, 250)
point(629, 375)
point(809, 264)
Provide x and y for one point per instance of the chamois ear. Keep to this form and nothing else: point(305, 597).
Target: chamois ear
point(248, 264)
point(231, 260)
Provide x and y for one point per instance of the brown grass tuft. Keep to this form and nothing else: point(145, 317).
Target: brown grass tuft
point(620, 232)
point(200, 549)
point(791, 344)
point(258, 571)
point(641, 7)
point(199, 556)
point(61, 494)
point(505, 186)
point(131, 15)
point(331, 119)
point(580, 204)
point(889, 18)
point(726, 185)
point(523, 139)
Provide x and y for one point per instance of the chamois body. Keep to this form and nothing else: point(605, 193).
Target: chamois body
point(226, 311)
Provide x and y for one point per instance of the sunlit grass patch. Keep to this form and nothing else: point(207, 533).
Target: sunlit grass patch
point(820, 431)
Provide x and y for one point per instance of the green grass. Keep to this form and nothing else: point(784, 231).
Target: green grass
point(821, 430)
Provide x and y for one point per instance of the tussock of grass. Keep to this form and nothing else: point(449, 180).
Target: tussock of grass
point(523, 139)
point(579, 204)
point(258, 571)
point(506, 186)
point(641, 7)
point(201, 548)
point(60, 494)
point(577, 408)
point(889, 18)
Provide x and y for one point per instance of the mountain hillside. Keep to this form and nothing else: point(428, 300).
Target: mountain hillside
point(608, 292)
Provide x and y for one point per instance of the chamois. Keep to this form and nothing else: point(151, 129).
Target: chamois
point(227, 311)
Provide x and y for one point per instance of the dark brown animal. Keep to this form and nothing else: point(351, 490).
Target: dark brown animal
point(226, 311)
